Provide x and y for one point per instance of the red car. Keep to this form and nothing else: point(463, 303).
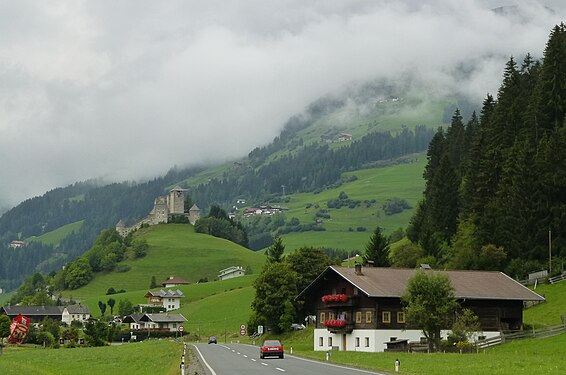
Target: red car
point(271, 348)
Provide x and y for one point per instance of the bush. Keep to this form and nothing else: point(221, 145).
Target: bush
point(395, 205)
point(122, 268)
point(45, 338)
point(361, 229)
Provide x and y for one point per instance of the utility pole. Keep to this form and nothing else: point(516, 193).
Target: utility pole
point(549, 252)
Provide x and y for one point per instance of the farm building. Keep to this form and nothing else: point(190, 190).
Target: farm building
point(360, 309)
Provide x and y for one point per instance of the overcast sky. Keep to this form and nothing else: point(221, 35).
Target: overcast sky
point(126, 89)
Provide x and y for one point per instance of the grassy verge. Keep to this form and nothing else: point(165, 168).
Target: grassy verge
point(531, 356)
point(157, 357)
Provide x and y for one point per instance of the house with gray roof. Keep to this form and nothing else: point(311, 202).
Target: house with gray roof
point(160, 322)
point(169, 299)
point(360, 309)
point(36, 314)
point(80, 313)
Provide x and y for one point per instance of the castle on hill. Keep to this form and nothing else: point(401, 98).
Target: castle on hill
point(164, 208)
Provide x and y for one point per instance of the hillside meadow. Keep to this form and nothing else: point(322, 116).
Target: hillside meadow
point(56, 236)
point(174, 250)
point(343, 229)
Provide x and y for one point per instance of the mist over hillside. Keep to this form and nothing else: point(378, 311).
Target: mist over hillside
point(124, 93)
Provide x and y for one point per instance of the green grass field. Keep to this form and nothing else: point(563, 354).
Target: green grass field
point(174, 250)
point(403, 181)
point(56, 236)
point(549, 313)
point(154, 357)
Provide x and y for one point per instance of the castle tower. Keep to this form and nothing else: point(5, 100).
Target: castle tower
point(177, 201)
point(194, 214)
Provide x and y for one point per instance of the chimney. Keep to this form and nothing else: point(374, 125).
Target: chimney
point(358, 269)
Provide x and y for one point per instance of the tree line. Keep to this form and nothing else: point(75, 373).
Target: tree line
point(494, 195)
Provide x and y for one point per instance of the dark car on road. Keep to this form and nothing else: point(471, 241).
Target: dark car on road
point(271, 348)
point(212, 340)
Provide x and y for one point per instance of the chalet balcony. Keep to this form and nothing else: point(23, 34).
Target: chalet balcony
point(339, 325)
point(340, 300)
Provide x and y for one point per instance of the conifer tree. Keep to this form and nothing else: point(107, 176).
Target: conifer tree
point(377, 249)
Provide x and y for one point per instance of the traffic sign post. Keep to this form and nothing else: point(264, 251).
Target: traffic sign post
point(242, 329)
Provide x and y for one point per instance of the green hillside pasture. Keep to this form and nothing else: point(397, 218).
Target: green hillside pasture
point(386, 116)
point(5, 297)
point(403, 181)
point(219, 314)
point(56, 236)
point(193, 292)
point(548, 314)
point(174, 250)
point(530, 356)
point(157, 357)
point(209, 173)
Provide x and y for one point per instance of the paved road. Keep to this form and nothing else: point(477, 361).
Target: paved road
point(234, 359)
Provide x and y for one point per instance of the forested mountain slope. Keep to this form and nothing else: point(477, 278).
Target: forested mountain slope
point(495, 195)
point(384, 123)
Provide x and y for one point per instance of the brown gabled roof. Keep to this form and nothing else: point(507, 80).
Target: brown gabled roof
point(392, 282)
point(176, 280)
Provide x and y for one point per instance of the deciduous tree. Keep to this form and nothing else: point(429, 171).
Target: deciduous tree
point(429, 304)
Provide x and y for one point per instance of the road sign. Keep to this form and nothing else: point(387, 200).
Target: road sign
point(243, 332)
point(242, 326)
point(180, 328)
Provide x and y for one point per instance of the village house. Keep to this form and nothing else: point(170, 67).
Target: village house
point(17, 244)
point(360, 309)
point(156, 322)
point(170, 299)
point(231, 272)
point(174, 281)
point(36, 314)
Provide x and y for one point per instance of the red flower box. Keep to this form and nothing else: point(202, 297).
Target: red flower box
point(335, 323)
point(334, 298)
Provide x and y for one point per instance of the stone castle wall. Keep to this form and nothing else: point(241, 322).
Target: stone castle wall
point(163, 208)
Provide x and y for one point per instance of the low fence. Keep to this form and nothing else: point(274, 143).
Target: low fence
point(532, 333)
point(558, 278)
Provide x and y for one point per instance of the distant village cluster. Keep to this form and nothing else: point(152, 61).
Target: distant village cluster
point(264, 210)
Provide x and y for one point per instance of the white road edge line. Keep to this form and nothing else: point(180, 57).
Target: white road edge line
point(280, 369)
point(329, 364)
point(204, 360)
point(265, 364)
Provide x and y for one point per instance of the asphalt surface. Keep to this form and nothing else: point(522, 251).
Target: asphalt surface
point(229, 359)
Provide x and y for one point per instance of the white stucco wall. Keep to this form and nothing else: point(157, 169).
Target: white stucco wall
point(369, 340)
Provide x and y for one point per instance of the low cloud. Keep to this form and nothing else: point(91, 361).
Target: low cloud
point(125, 90)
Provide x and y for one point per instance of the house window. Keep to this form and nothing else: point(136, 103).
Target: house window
point(368, 316)
point(331, 315)
point(322, 317)
point(330, 341)
point(367, 342)
point(355, 291)
point(401, 317)
point(174, 325)
point(320, 341)
point(386, 317)
point(357, 342)
point(358, 316)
